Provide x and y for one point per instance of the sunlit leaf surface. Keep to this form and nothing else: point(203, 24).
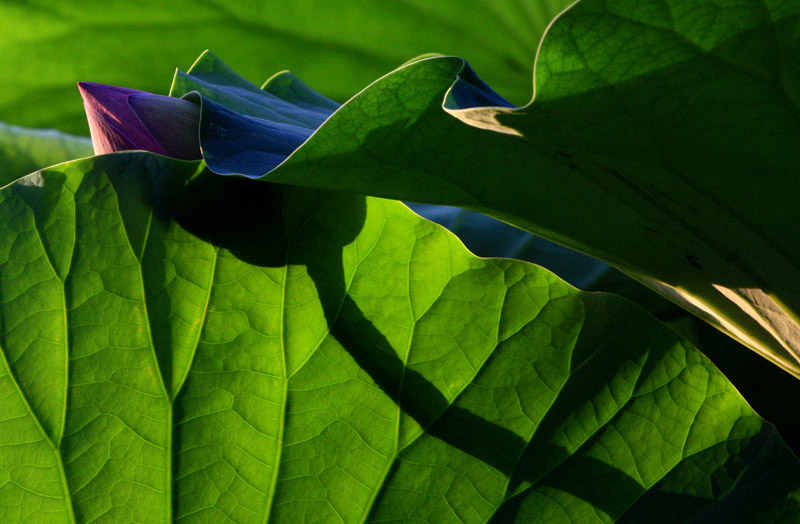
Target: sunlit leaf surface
point(176, 346)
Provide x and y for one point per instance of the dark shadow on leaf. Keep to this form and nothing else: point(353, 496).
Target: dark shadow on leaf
point(262, 224)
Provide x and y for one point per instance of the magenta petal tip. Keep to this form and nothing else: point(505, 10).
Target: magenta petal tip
point(123, 119)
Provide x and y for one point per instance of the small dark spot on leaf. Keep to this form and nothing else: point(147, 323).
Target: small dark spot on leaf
point(693, 260)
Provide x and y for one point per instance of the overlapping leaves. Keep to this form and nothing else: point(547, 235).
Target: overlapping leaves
point(24, 150)
point(662, 140)
point(48, 45)
point(179, 346)
point(175, 345)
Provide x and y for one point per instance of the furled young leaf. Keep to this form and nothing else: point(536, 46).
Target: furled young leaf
point(663, 140)
point(49, 45)
point(23, 151)
point(178, 346)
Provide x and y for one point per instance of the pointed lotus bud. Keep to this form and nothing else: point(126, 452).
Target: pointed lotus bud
point(122, 119)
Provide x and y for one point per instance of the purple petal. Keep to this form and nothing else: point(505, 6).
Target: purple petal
point(112, 123)
point(172, 122)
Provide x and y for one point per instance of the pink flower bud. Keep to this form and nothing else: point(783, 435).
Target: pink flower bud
point(122, 119)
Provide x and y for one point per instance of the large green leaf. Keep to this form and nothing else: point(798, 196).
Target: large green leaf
point(179, 346)
point(48, 45)
point(746, 370)
point(663, 140)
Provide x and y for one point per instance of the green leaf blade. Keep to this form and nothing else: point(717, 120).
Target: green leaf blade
point(117, 434)
point(330, 357)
